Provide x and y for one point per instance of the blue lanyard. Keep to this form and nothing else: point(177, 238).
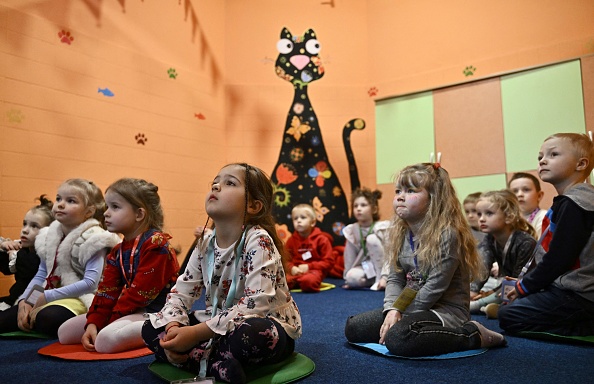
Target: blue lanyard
point(412, 246)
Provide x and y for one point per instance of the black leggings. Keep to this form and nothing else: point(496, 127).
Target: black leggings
point(48, 320)
point(417, 334)
point(255, 341)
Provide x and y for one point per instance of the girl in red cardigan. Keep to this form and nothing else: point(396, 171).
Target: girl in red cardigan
point(138, 272)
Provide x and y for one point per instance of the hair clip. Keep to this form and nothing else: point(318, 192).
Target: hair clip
point(435, 162)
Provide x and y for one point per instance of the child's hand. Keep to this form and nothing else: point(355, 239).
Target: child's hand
point(392, 317)
point(23, 319)
point(182, 339)
point(495, 269)
point(473, 295)
point(10, 245)
point(295, 271)
point(304, 268)
point(88, 339)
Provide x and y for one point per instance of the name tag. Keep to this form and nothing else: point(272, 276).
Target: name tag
point(306, 255)
point(368, 269)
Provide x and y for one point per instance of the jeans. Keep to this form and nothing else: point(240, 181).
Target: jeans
point(553, 310)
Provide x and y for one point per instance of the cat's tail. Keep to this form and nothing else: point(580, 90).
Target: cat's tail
point(358, 124)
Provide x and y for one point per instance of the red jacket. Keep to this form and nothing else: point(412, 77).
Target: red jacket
point(154, 273)
point(318, 244)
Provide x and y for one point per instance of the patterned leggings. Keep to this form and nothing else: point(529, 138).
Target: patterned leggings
point(255, 341)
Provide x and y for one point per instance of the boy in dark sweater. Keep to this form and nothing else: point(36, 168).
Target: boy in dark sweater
point(557, 296)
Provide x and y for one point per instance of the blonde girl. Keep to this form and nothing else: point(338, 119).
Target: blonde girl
point(72, 251)
point(250, 317)
point(364, 249)
point(509, 242)
point(138, 274)
point(432, 256)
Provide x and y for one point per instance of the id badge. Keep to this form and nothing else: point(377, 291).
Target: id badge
point(306, 255)
point(195, 380)
point(35, 294)
point(506, 287)
point(368, 269)
point(406, 297)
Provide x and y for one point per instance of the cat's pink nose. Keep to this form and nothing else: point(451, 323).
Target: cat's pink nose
point(299, 61)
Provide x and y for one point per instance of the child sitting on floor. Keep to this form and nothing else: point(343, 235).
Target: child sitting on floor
point(526, 187)
point(310, 249)
point(509, 242)
point(364, 264)
point(557, 296)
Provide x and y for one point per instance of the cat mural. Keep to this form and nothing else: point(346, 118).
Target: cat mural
point(303, 173)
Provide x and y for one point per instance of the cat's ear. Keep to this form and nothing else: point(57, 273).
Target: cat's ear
point(309, 34)
point(286, 34)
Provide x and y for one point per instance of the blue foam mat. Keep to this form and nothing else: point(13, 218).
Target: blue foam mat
point(382, 350)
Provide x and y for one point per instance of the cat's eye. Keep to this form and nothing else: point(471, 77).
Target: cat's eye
point(313, 46)
point(284, 46)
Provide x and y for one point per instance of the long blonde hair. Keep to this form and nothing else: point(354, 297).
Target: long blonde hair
point(444, 216)
point(507, 202)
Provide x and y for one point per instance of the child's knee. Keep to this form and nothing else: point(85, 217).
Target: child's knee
point(355, 277)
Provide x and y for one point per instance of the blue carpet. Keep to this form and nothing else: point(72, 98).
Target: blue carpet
point(324, 315)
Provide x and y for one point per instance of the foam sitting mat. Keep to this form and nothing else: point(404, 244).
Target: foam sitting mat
point(383, 350)
point(22, 334)
point(323, 287)
point(78, 352)
point(557, 338)
point(295, 367)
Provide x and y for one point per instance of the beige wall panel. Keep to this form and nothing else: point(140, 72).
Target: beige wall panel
point(469, 128)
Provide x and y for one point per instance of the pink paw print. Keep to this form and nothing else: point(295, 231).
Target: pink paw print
point(65, 37)
point(372, 91)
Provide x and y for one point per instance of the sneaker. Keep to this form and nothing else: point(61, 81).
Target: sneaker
point(489, 339)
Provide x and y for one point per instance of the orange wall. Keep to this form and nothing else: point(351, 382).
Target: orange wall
point(424, 44)
point(55, 125)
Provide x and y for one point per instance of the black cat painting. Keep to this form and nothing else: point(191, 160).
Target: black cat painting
point(303, 173)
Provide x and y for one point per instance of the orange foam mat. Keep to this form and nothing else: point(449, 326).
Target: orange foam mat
point(78, 352)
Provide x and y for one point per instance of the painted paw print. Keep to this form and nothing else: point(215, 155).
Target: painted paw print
point(140, 139)
point(65, 37)
point(469, 71)
point(15, 116)
point(172, 73)
point(372, 91)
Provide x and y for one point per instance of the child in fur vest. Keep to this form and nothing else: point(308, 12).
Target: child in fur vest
point(72, 251)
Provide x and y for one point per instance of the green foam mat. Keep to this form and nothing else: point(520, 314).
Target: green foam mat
point(22, 334)
point(291, 369)
point(557, 338)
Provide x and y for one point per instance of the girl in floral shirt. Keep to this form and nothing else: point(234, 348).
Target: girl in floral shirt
point(250, 317)
point(138, 273)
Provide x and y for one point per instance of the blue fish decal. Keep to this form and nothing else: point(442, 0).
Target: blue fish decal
point(106, 92)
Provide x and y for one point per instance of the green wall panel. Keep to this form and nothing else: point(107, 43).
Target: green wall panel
point(536, 104)
point(467, 185)
point(404, 133)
